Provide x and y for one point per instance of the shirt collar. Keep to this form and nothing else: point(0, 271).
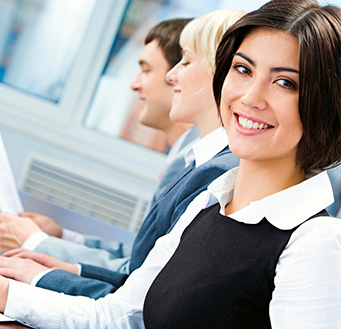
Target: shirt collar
point(207, 147)
point(174, 150)
point(285, 209)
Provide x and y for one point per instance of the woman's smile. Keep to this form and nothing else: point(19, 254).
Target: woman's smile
point(248, 126)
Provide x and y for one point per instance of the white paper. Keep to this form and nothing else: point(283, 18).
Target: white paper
point(9, 197)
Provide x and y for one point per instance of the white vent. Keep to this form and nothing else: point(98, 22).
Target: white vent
point(85, 196)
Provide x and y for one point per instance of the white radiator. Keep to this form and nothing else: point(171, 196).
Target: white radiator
point(76, 192)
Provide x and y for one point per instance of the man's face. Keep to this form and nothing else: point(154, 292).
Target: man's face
point(155, 93)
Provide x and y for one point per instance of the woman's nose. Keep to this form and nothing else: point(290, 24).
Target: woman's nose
point(171, 76)
point(255, 95)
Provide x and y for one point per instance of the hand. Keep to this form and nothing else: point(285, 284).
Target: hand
point(42, 259)
point(45, 223)
point(3, 293)
point(20, 269)
point(15, 230)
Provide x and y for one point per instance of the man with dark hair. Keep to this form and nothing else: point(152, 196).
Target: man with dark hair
point(160, 53)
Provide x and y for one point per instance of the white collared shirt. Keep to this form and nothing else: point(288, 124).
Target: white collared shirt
point(308, 275)
point(174, 150)
point(207, 147)
point(177, 148)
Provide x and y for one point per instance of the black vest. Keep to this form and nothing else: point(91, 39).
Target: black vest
point(220, 276)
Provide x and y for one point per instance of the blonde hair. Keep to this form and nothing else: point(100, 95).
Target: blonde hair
point(203, 34)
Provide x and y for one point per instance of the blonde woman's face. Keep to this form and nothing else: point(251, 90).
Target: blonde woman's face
point(192, 85)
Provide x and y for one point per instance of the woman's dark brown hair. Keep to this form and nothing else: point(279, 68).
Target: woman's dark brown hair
point(318, 31)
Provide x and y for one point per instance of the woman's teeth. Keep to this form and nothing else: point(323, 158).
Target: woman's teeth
point(249, 124)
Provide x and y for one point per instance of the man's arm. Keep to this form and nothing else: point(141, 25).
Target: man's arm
point(48, 272)
point(74, 253)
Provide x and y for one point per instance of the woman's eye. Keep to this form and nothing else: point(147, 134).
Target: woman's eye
point(242, 69)
point(285, 83)
point(184, 60)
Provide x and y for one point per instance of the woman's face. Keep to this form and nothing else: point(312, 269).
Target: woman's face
point(259, 104)
point(193, 92)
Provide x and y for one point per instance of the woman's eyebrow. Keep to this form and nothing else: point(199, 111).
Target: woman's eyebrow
point(245, 57)
point(279, 69)
point(274, 69)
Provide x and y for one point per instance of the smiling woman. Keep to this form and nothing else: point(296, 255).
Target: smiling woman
point(314, 100)
point(257, 248)
point(260, 100)
point(270, 248)
point(193, 100)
